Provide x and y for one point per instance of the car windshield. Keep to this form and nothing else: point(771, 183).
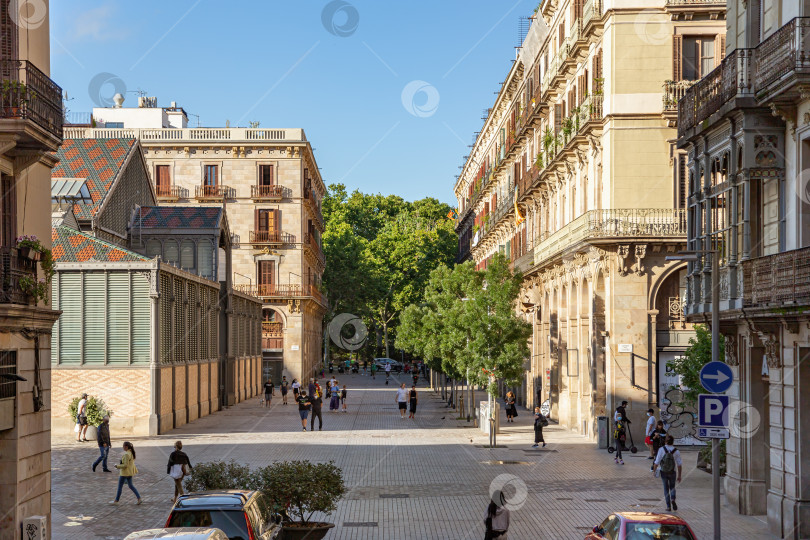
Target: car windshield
point(231, 522)
point(657, 531)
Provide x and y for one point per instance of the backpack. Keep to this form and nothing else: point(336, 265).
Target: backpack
point(668, 461)
point(543, 420)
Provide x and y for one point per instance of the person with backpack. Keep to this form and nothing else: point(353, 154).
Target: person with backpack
point(497, 518)
point(667, 463)
point(540, 422)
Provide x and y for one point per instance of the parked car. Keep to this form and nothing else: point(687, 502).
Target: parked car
point(240, 514)
point(186, 533)
point(395, 365)
point(642, 526)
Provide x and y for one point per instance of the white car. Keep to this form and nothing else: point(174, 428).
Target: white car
point(184, 533)
point(382, 362)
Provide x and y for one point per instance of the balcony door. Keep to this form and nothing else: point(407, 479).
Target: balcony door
point(267, 277)
point(266, 176)
point(162, 179)
point(268, 225)
point(8, 211)
point(210, 179)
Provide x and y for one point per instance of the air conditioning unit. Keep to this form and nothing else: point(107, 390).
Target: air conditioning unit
point(35, 528)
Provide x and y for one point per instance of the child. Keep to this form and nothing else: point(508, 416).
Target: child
point(343, 398)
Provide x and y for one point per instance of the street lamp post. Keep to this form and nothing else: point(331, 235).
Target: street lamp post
point(692, 256)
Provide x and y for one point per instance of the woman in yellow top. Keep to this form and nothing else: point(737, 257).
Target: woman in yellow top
point(127, 470)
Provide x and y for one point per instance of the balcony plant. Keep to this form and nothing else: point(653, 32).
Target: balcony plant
point(30, 248)
point(567, 127)
point(15, 95)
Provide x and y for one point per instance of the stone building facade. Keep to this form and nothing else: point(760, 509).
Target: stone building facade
point(746, 129)
point(270, 183)
point(30, 131)
point(576, 178)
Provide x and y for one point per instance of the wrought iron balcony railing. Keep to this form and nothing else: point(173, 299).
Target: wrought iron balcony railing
point(171, 192)
point(218, 192)
point(13, 268)
point(271, 237)
point(673, 92)
point(266, 192)
point(27, 93)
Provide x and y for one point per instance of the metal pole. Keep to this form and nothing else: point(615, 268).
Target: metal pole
point(716, 357)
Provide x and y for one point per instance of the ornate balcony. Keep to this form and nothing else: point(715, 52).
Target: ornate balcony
point(271, 238)
point(266, 193)
point(311, 244)
point(30, 105)
point(782, 62)
point(673, 92)
point(272, 291)
point(314, 207)
point(781, 280)
point(171, 193)
point(612, 224)
point(213, 193)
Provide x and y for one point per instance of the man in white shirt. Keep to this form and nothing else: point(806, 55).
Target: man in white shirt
point(387, 372)
point(648, 432)
point(402, 399)
point(667, 462)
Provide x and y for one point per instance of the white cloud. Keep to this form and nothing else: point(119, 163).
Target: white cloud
point(97, 24)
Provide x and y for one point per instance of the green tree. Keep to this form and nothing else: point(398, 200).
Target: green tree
point(694, 358)
point(468, 325)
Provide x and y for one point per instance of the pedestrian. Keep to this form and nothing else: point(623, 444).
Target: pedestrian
point(284, 385)
point(303, 408)
point(402, 400)
point(621, 413)
point(126, 470)
point(374, 370)
point(343, 398)
point(648, 432)
point(179, 466)
point(365, 366)
point(413, 398)
point(296, 388)
point(311, 387)
point(540, 422)
point(316, 403)
point(103, 444)
point(668, 462)
point(388, 373)
point(511, 410)
point(81, 419)
point(334, 393)
point(658, 437)
point(619, 435)
point(415, 377)
point(269, 390)
point(497, 518)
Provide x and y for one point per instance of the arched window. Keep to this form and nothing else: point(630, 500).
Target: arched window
point(205, 259)
point(187, 255)
point(171, 252)
point(153, 248)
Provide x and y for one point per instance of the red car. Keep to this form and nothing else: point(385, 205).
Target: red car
point(642, 526)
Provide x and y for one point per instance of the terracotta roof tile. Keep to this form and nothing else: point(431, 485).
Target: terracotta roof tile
point(70, 245)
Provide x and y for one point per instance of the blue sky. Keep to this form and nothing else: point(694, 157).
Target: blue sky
point(388, 92)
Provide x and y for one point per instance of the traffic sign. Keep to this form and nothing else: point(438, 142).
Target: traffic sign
point(713, 410)
point(716, 377)
point(713, 433)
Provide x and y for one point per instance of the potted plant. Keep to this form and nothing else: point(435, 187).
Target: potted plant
point(35, 289)
point(14, 95)
point(95, 409)
point(30, 247)
point(299, 489)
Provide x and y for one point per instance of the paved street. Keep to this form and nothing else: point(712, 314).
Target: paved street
point(427, 478)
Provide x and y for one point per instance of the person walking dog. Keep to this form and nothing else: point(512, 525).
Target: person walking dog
point(668, 462)
point(176, 468)
point(103, 444)
point(540, 422)
point(126, 470)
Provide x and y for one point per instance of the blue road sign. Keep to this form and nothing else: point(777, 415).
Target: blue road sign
point(716, 377)
point(713, 410)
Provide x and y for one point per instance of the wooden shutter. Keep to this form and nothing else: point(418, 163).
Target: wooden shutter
point(597, 72)
point(719, 49)
point(677, 57)
point(578, 4)
point(162, 178)
point(8, 33)
point(267, 272)
point(558, 112)
point(8, 207)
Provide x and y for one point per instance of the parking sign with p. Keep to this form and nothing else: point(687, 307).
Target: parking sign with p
point(713, 410)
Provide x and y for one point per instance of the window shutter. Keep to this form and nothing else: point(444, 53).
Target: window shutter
point(558, 111)
point(95, 314)
point(276, 217)
point(205, 259)
point(141, 330)
point(677, 57)
point(171, 252)
point(256, 219)
point(187, 255)
point(719, 48)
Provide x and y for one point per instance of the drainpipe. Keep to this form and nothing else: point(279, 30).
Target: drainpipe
point(154, 348)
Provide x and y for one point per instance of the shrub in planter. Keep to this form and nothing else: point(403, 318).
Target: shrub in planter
point(298, 489)
point(96, 409)
point(221, 475)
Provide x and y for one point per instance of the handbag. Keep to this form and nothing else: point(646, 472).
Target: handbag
point(648, 440)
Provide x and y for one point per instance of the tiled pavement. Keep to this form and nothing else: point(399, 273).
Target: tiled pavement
point(421, 479)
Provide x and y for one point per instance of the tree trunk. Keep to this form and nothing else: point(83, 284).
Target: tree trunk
point(385, 330)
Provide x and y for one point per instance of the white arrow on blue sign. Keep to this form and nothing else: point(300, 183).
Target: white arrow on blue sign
point(716, 377)
point(713, 410)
